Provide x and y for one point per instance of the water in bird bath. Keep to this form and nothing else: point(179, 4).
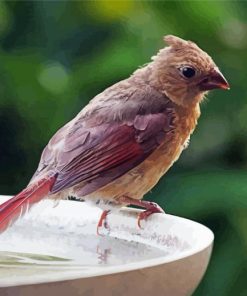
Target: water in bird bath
point(73, 249)
point(63, 240)
point(49, 252)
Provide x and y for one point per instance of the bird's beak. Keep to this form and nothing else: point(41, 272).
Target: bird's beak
point(214, 80)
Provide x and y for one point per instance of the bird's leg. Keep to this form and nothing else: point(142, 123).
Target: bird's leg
point(151, 207)
point(103, 221)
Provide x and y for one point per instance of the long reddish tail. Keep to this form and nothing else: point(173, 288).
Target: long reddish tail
point(17, 206)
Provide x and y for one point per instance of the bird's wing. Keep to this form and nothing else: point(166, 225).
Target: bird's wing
point(97, 154)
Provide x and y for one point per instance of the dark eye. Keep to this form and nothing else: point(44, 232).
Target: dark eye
point(187, 71)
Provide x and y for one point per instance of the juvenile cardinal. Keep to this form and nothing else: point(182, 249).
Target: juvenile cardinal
point(119, 146)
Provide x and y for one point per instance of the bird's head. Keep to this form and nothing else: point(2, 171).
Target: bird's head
point(184, 72)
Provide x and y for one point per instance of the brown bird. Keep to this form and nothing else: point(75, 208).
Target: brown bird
point(119, 146)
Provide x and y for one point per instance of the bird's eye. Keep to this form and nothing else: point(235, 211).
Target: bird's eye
point(187, 72)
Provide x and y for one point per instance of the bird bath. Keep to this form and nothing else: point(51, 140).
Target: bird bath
point(55, 250)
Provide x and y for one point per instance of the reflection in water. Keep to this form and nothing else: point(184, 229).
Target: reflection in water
point(103, 255)
point(73, 249)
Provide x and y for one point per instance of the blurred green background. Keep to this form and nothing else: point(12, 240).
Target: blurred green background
point(55, 56)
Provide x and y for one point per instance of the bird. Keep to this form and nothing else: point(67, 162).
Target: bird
point(119, 145)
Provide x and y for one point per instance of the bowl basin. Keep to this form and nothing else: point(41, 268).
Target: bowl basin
point(54, 250)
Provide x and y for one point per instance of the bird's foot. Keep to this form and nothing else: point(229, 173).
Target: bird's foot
point(103, 221)
point(151, 207)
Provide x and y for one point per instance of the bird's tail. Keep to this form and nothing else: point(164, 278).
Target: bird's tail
point(18, 205)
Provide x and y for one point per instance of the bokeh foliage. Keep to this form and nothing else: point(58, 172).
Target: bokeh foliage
point(55, 56)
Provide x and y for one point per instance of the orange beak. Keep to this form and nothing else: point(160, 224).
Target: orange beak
point(214, 80)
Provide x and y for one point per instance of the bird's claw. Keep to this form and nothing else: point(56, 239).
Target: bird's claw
point(151, 209)
point(103, 222)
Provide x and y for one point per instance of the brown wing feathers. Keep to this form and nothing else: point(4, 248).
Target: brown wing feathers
point(110, 154)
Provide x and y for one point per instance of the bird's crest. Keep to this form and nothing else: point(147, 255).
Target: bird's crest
point(178, 43)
